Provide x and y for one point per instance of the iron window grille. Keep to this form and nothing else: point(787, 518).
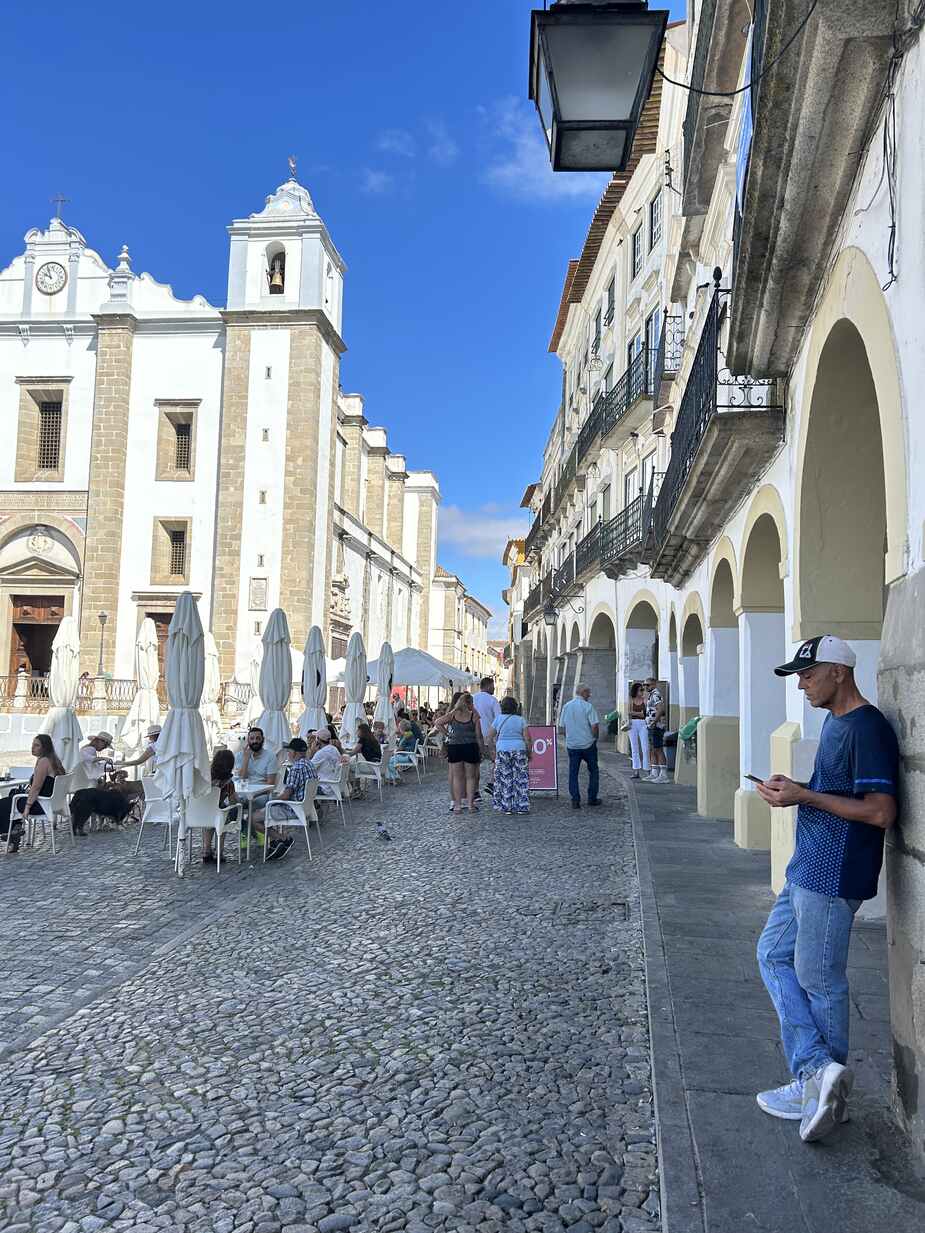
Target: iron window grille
point(183, 447)
point(49, 458)
point(178, 552)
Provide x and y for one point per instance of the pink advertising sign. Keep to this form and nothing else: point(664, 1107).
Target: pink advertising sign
point(543, 772)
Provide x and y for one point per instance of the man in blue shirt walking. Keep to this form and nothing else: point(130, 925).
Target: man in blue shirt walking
point(842, 816)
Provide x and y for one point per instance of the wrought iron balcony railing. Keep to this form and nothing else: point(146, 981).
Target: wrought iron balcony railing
point(591, 428)
point(709, 389)
point(622, 532)
point(568, 472)
point(670, 350)
point(564, 576)
point(534, 536)
point(588, 552)
point(608, 315)
point(635, 383)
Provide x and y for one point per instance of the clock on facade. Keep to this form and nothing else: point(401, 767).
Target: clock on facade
point(50, 277)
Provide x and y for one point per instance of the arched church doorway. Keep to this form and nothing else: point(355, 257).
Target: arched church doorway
point(39, 572)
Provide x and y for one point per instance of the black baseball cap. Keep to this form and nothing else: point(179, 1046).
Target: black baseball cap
point(297, 745)
point(826, 649)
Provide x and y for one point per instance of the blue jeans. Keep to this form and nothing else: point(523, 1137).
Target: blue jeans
point(803, 957)
point(575, 759)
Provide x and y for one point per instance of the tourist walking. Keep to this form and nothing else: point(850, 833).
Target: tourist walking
point(464, 751)
point(842, 816)
point(513, 750)
point(488, 708)
point(42, 782)
point(655, 727)
point(581, 726)
point(638, 729)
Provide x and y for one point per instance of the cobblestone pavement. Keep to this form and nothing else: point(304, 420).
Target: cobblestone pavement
point(443, 1032)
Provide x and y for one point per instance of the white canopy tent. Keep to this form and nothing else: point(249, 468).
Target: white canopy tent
point(314, 684)
point(276, 682)
point(415, 667)
point(146, 707)
point(61, 722)
point(182, 756)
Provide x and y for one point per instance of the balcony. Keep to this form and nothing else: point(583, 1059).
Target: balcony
point(668, 357)
point(608, 315)
point(535, 537)
point(538, 596)
point(564, 576)
point(630, 401)
point(588, 553)
point(589, 436)
point(566, 476)
point(727, 431)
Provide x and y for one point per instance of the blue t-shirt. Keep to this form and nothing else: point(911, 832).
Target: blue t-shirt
point(858, 753)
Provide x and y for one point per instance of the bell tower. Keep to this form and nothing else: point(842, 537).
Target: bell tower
point(274, 520)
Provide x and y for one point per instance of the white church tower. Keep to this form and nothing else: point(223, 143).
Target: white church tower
point(276, 469)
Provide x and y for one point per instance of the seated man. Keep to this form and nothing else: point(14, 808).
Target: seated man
point(325, 758)
point(93, 765)
point(257, 762)
point(298, 773)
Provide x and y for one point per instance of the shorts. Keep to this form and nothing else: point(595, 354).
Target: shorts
point(657, 738)
point(464, 753)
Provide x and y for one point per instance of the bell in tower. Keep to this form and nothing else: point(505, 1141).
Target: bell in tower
point(277, 274)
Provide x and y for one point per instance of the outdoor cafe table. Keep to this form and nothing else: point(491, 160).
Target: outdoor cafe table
point(246, 790)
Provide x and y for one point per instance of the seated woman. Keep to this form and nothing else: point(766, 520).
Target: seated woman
point(106, 802)
point(222, 774)
point(367, 745)
point(46, 769)
point(404, 754)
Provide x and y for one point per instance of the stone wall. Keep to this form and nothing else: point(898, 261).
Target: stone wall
point(106, 487)
point(597, 667)
point(901, 687)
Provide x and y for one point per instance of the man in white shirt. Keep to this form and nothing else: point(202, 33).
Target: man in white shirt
point(94, 766)
point(580, 723)
point(489, 708)
point(257, 762)
point(325, 759)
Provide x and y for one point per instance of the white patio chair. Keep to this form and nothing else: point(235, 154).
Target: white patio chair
point(363, 770)
point(304, 811)
point(158, 809)
point(52, 807)
point(201, 814)
point(433, 743)
point(409, 759)
point(335, 790)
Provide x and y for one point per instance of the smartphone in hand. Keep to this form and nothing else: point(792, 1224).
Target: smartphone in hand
point(754, 779)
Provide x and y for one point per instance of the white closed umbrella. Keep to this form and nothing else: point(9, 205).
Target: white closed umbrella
point(385, 672)
point(146, 707)
point(254, 705)
point(314, 684)
point(61, 721)
point(211, 688)
point(182, 755)
point(355, 681)
point(276, 682)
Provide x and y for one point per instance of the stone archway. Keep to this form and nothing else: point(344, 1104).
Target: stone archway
point(674, 693)
point(39, 580)
point(597, 663)
point(692, 641)
point(718, 757)
point(762, 645)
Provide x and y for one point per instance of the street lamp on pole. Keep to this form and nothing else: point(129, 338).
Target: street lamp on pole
point(102, 617)
point(592, 63)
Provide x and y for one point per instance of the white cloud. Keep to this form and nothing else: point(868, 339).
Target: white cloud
point(397, 141)
point(443, 150)
point(481, 532)
point(377, 182)
point(521, 167)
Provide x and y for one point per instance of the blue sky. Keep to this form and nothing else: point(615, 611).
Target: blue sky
point(415, 138)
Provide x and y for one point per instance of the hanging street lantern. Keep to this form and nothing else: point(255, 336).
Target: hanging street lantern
point(550, 613)
point(592, 63)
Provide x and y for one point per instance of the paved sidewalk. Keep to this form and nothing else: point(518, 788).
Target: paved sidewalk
point(727, 1167)
point(445, 1032)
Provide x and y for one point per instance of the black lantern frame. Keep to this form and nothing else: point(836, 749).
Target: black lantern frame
point(589, 142)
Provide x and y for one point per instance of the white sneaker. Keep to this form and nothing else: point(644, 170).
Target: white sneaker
point(652, 776)
point(825, 1101)
point(663, 777)
point(785, 1102)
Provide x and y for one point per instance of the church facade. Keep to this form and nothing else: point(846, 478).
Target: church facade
point(156, 445)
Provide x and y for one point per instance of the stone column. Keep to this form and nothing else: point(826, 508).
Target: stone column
point(395, 501)
point(718, 731)
point(352, 431)
point(551, 661)
point(375, 489)
point(597, 667)
point(306, 421)
point(229, 506)
point(762, 709)
point(425, 561)
point(106, 485)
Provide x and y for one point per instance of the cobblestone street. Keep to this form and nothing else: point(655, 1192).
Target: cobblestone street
point(443, 1032)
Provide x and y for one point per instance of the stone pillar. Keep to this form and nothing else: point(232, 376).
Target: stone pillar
point(375, 487)
point(689, 674)
point(106, 485)
point(551, 661)
point(395, 501)
point(717, 766)
point(306, 421)
point(229, 506)
point(674, 693)
point(352, 431)
point(537, 699)
point(721, 677)
point(762, 709)
point(426, 559)
point(597, 667)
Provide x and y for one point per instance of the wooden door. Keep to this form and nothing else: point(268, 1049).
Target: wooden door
point(162, 625)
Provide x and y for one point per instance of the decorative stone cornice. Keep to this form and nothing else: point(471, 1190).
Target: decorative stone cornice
point(270, 318)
